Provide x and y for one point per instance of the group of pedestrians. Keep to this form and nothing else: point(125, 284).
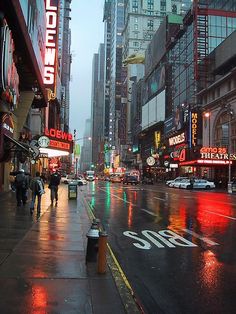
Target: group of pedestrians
point(23, 182)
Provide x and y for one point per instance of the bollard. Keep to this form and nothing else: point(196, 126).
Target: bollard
point(102, 250)
point(92, 244)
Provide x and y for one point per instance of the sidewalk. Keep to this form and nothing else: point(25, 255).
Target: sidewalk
point(42, 261)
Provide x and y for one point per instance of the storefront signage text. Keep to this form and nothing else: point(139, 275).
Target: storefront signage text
point(58, 134)
point(177, 139)
point(59, 145)
point(51, 39)
point(216, 153)
point(194, 128)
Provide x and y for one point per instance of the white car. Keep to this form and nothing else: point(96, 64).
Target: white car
point(198, 184)
point(67, 178)
point(81, 181)
point(177, 184)
point(171, 183)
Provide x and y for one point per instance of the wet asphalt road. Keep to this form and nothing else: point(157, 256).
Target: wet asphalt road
point(176, 247)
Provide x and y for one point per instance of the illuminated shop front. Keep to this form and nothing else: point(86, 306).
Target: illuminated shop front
point(57, 154)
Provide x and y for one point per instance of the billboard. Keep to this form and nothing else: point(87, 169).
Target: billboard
point(35, 19)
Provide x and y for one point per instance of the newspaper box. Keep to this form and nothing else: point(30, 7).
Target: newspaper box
point(72, 191)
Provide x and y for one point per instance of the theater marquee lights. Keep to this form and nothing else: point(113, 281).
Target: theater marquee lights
point(60, 144)
point(51, 43)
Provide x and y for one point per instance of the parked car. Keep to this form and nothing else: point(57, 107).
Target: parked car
point(130, 180)
point(147, 180)
point(170, 183)
point(116, 179)
point(177, 184)
point(198, 184)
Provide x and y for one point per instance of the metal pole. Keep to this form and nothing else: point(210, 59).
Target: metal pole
point(229, 147)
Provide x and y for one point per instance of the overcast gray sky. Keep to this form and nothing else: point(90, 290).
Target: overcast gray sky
point(87, 33)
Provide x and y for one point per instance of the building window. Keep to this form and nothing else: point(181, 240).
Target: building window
point(135, 26)
point(150, 24)
point(136, 44)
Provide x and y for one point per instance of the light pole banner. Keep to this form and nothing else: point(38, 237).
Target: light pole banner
point(77, 150)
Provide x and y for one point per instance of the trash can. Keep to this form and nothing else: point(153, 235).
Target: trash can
point(72, 191)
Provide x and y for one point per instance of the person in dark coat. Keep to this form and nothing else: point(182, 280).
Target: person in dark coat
point(21, 185)
point(53, 186)
point(37, 188)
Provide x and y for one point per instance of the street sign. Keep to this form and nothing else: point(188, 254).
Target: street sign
point(43, 141)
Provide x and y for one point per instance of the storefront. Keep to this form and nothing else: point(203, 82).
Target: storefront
point(57, 153)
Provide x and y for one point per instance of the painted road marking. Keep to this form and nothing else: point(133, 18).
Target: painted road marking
point(120, 198)
point(208, 211)
point(150, 213)
point(158, 198)
point(200, 237)
point(161, 239)
point(164, 238)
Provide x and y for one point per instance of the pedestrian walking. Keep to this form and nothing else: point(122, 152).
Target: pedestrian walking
point(37, 188)
point(191, 183)
point(21, 185)
point(53, 186)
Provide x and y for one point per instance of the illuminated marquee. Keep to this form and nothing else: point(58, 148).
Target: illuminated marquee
point(216, 153)
point(59, 145)
point(177, 139)
point(58, 134)
point(51, 41)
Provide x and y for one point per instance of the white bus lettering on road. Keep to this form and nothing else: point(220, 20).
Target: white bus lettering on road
point(151, 236)
point(161, 239)
point(146, 245)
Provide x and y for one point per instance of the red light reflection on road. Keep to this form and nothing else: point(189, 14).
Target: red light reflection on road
point(209, 274)
point(130, 215)
point(211, 211)
point(39, 299)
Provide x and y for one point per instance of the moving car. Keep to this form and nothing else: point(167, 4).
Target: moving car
point(81, 181)
point(67, 178)
point(116, 178)
point(171, 183)
point(130, 180)
point(198, 184)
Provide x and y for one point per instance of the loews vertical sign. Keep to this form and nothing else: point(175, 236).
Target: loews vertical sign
point(51, 43)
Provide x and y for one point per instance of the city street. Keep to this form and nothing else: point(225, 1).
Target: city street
point(176, 247)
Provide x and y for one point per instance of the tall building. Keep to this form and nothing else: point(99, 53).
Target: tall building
point(97, 99)
point(65, 61)
point(86, 149)
point(142, 19)
point(107, 65)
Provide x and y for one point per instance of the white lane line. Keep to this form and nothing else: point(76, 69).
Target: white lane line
point(158, 198)
point(120, 198)
point(200, 237)
point(208, 211)
point(147, 211)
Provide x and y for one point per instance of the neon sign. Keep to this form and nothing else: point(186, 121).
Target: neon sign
point(51, 42)
point(177, 139)
point(59, 145)
point(58, 134)
point(216, 153)
point(194, 128)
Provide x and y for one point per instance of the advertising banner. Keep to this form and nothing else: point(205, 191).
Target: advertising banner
point(35, 19)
